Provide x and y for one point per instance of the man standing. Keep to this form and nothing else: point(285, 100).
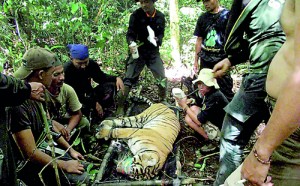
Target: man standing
point(27, 125)
point(211, 38)
point(282, 133)
point(257, 40)
point(80, 71)
point(146, 28)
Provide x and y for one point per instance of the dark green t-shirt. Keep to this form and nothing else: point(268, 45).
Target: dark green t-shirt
point(26, 116)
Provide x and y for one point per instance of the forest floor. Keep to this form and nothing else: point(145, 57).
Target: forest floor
point(200, 167)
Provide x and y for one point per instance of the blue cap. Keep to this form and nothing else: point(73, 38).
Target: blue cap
point(78, 51)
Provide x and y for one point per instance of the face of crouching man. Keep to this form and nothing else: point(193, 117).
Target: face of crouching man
point(203, 89)
point(206, 82)
point(79, 55)
point(58, 79)
point(80, 64)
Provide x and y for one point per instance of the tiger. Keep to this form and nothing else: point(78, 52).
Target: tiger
point(149, 135)
point(139, 98)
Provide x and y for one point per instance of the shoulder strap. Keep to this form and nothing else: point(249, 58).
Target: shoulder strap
point(216, 20)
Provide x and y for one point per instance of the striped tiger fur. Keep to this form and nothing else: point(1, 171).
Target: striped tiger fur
point(149, 135)
point(139, 98)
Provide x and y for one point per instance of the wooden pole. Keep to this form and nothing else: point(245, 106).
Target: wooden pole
point(147, 182)
point(105, 161)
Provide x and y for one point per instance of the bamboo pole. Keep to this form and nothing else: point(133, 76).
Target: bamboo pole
point(51, 144)
point(147, 182)
point(178, 164)
point(105, 161)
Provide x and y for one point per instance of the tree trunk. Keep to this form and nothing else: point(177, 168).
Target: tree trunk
point(175, 39)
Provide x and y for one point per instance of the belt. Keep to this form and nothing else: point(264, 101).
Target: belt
point(211, 49)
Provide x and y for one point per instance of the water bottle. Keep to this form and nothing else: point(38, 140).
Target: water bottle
point(135, 53)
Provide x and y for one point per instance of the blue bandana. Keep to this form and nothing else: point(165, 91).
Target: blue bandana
point(78, 51)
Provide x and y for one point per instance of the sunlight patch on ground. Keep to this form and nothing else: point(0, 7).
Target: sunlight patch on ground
point(175, 73)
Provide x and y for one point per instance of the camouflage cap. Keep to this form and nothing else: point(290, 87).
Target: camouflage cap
point(34, 59)
point(57, 61)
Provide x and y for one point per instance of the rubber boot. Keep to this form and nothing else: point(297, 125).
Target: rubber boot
point(121, 101)
point(162, 94)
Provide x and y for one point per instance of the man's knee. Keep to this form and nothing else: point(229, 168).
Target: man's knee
point(195, 109)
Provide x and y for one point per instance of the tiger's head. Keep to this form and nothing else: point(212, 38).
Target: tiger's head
point(142, 166)
point(104, 129)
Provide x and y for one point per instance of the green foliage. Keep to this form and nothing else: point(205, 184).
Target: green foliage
point(77, 141)
point(92, 172)
point(100, 24)
point(161, 82)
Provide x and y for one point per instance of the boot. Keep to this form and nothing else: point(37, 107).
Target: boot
point(162, 94)
point(121, 100)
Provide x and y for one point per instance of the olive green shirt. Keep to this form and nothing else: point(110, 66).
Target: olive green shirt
point(65, 103)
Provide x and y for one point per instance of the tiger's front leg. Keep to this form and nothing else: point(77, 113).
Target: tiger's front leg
point(124, 133)
point(105, 129)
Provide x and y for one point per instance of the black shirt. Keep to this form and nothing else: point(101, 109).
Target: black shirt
point(80, 79)
point(137, 30)
point(214, 24)
point(26, 116)
point(211, 27)
point(212, 109)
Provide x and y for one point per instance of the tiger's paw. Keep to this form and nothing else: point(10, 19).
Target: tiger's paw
point(104, 130)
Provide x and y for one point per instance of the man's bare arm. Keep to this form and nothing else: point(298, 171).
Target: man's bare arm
point(197, 50)
point(285, 118)
point(74, 120)
point(26, 143)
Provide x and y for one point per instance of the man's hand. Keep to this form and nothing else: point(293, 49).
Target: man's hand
point(71, 166)
point(99, 110)
point(37, 91)
point(61, 129)
point(196, 66)
point(255, 172)
point(132, 49)
point(120, 85)
point(182, 102)
point(221, 68)
point(76, 155)
point(197, 63)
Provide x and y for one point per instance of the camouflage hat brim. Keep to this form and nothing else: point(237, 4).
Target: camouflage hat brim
point(34, 59)
point(22, 72)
